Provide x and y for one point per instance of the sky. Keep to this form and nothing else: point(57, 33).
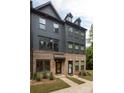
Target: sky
point(78, 8)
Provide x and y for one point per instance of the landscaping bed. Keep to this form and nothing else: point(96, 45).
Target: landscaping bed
point(88, 76)
point(75, 80)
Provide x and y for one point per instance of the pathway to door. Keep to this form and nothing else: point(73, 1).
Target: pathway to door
point(86, 87)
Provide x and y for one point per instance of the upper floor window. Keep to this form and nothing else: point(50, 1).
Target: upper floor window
point(42, 23)
point(76, 46)
point(82, 47)
point(70, 45)
point(49, 44)
point(56, 27)
point(82, 34)
point(70, 29)
point(76, 32)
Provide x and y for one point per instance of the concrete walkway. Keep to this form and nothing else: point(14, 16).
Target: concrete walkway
point(69, 82)
point(86, 87)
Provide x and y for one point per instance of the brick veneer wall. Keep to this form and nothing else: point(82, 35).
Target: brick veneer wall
point(49, 55)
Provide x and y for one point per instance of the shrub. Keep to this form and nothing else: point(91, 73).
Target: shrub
point(88, 73)
point(39, 76)
point(48, 75)
point(79, 74)
point(84, 73)
point(45, 75)
point(34, 76)
point(51, 76)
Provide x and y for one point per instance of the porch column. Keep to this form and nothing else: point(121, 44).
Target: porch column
point(34, 65)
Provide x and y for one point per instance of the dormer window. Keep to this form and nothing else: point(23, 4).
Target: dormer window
point(69, 17)
point(77, 21)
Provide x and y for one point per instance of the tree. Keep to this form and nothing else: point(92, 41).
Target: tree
point(89, 51)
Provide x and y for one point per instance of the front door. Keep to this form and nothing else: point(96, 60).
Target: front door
point(58, 67)
point(70, 67)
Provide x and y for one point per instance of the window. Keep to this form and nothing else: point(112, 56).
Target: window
point(77, 65)
point(70, 29)
point(42, 44)
point(42, 23)
point(82, 67)
point(76, 46)
point(82, 34)
point(76, 32)
point(56, 46)
point(50, 44)
point(42, 65)
point(70, 45)
point(82, 48)
point(69, 19)
point(56, 27)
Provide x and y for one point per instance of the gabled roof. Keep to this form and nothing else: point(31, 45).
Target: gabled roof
point(48, 4)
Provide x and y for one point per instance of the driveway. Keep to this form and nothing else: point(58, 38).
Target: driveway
point(86, 87)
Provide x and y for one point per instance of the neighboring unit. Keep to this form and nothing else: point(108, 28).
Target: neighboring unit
point(57, 45)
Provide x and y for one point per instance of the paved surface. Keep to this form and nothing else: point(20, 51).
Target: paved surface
point(75, 88)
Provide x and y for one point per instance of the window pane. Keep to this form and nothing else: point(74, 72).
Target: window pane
point(56, 25)
point(70, 46)
point(42, 44)
point(42, 26)
point(77, 68)
point(82, 48)
point(82, 34)
point(82, 67)
point(70, 29)
point(42, 21)
point(39, 66)
point(76, 46)
point(47, 65)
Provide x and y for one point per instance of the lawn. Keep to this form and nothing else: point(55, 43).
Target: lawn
point(46, 88)
point(75, 80)
point(88, 77)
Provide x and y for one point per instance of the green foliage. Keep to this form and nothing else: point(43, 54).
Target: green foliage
point(39, 76)
point(45, 75)
point(51, 76)
point(89, 58)
point(34, 76)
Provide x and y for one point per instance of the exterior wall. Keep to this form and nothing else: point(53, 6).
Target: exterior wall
point(48, 10)
point(43, 55)
point(64, 36)
point(49, 32)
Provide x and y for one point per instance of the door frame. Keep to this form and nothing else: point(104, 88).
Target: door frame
point(70, 62)
point(60, 67)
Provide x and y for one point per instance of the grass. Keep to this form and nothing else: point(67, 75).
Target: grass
point(75, 80)
point(88, 77)
point(46, 88)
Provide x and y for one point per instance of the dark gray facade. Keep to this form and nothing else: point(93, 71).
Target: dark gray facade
point(70, 37)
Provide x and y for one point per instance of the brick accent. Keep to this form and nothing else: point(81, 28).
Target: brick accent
point(49, 55)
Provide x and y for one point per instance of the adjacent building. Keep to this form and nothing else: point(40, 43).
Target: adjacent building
point(57, 45)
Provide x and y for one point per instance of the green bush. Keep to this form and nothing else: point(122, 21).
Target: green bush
point(48, 75)
point(51, 76)
point(84, 73)
point(89, 74)
point(34, 76)
point(39, 76)
point(45, 75)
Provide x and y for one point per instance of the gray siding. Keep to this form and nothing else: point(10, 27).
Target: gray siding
point(64, 36)
point(48, 10)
